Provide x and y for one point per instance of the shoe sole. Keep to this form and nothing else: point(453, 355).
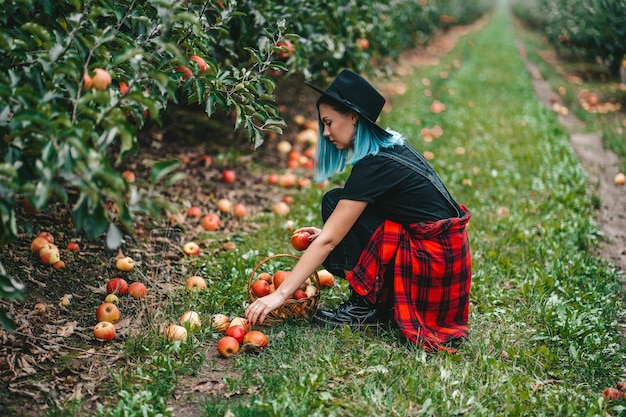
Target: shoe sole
point(320, 322)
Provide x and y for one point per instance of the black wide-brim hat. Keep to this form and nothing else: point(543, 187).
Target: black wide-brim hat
point(353, 91)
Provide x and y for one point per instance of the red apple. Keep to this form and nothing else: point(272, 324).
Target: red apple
point(117, 286)
point(239, 210)
point(220, 322)
point(49, 254)
point(185, 71)
point(227, 346)
point(101, 79)
point(60, 264)
point(300, 240)
point(281, 208)
point(47, 235)
point(129, 175)
point(326, 278)
point(176, 333)
point(104, 330)
point(224, 205)
point(107, 312)
point(87, 81)
point(38, 243)
point(260, 288)
point(237, 331)
point(273, 179)
point(195, 283)
point(192, 318)
point(256, 338)
point(287, 49)
point(73, 247)
point(206, 160)
point(279, 277)
point(125, 264)
point(228, 176)
point(123, 88)
point(240, 321)
point(191, 249)
point(137, 290)
point(299, 294)
point(210, 222)
point(200, 61)
point(194, 211)
point(265, 276)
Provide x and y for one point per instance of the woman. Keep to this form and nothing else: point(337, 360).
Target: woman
point(394, 232)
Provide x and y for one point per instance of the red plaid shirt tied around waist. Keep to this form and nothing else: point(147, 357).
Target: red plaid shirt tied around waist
point(432, 273)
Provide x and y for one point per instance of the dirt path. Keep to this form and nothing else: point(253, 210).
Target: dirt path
point(601, 165)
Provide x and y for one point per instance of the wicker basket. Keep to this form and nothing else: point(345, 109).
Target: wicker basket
point(291, 308)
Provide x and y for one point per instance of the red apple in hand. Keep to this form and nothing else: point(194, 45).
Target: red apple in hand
point(104, 330)
point(228, 346)
point(300, 240)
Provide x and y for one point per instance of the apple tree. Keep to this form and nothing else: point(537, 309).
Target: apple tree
point(78, 80)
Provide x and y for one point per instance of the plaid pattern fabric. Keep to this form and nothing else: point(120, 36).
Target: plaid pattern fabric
point(431, 270)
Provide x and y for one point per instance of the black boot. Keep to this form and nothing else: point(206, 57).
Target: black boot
point(355, 312)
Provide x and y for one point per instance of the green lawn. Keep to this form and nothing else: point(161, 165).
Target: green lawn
point(545, 312)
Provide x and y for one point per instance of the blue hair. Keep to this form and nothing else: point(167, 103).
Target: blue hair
point(368, 140)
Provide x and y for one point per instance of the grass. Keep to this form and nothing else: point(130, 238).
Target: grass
point(545, 313)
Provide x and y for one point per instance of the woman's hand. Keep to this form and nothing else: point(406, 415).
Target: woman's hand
point(260, 308)
point(313, 231)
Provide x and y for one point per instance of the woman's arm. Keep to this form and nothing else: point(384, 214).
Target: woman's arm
point(335, 229)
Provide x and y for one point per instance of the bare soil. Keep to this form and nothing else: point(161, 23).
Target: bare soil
point(52, 357)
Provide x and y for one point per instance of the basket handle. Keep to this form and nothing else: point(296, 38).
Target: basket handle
point(316, 278)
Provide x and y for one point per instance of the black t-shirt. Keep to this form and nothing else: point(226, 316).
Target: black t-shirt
point(395, 191)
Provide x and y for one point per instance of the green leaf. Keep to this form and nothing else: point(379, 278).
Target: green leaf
point(163, 168)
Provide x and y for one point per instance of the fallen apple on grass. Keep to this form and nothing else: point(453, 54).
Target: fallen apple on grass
point(117, 286)
point(108, 312)
point(220, 322)
point(194, 211)
point(240, 321)
point(38, 243)
point(228, 346)
point(73, 247)
point(104, 330)
point(49, 254)
point(195, 283)
point(210, 222)
point(224, 205)
point(228, 176)
point(237, 331)
point(176, 333)
point(125, 264)
point(137, 290)
point(191, 249)
point(256, 338)
point(111, 298)
point(192, 319)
